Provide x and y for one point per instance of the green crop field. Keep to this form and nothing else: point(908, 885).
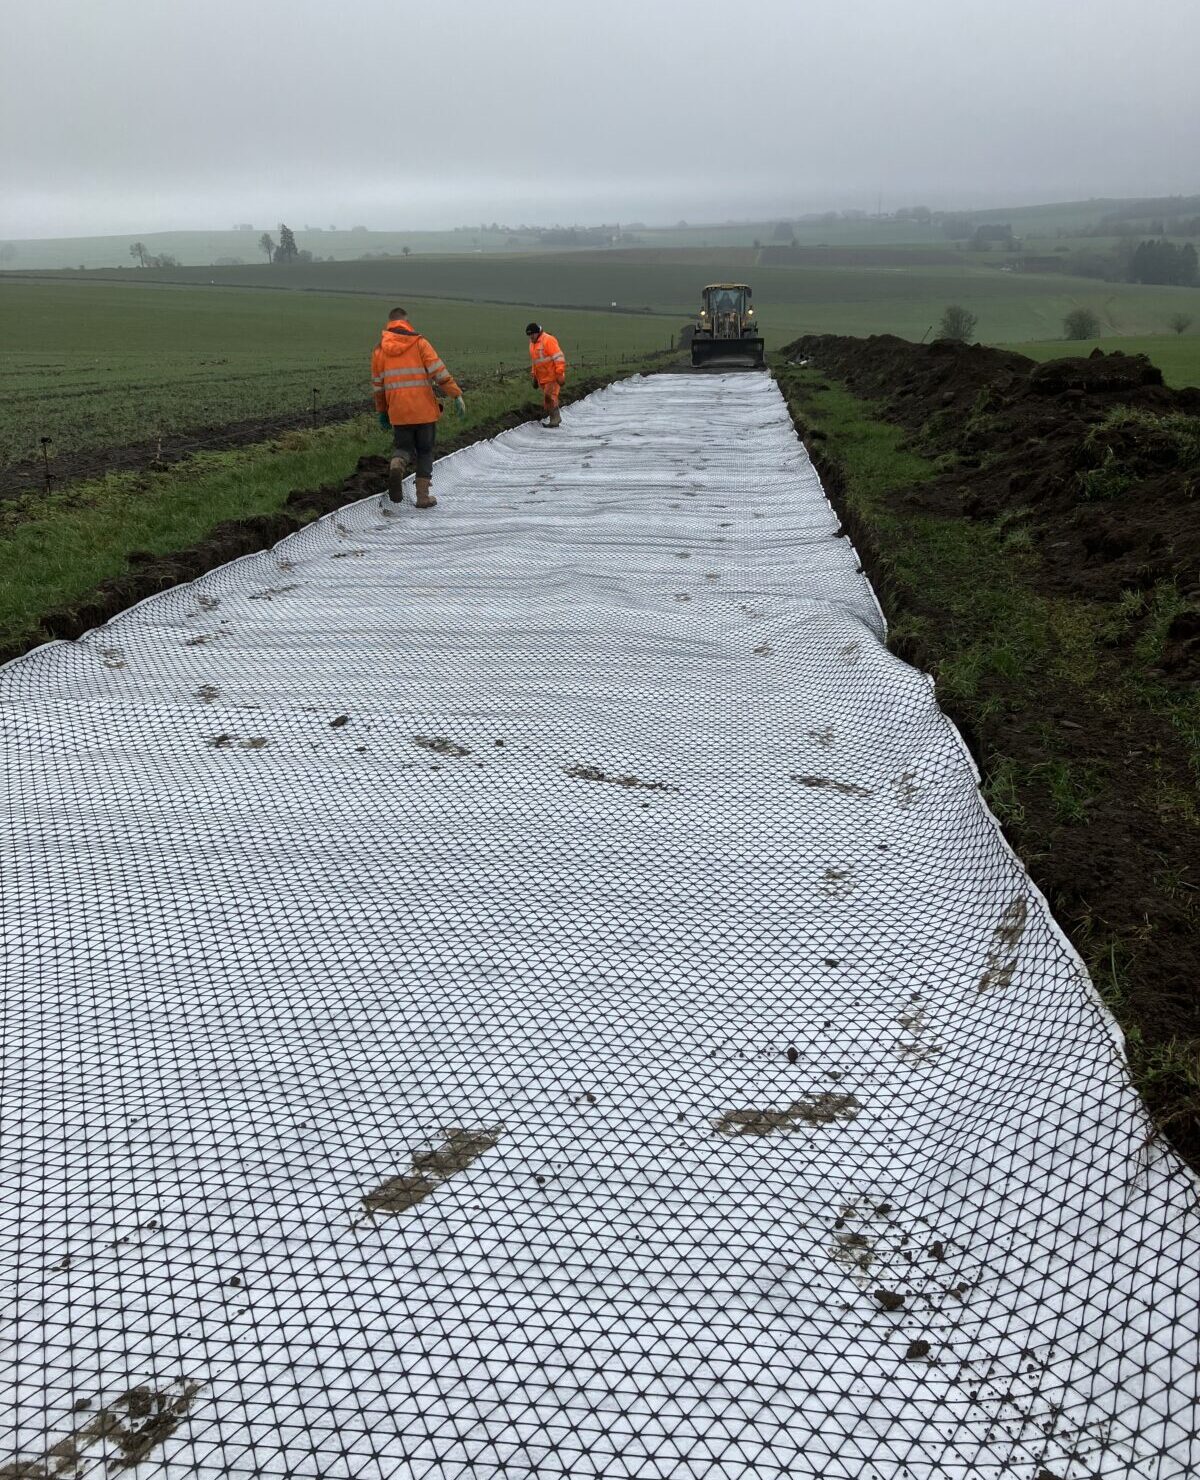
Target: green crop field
point(835, 297)
point(107, 358)
point(96, 364)
point(1176, 355)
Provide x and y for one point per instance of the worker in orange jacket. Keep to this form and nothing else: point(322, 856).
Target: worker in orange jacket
point(408, 378)
point(549, 367)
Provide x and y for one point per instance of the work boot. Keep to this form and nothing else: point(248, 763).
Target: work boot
point(397, 472)
point(425, 499)
point(555, 417)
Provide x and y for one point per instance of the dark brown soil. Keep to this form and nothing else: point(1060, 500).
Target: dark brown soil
point(149, 573)
point(853, 1251)
point(1019, 441)
point(1023, 440)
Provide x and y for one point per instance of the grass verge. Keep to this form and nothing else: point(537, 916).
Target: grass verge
point(57, 550)
point(1089, 761)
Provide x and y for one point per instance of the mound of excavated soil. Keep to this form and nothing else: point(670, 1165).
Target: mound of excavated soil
point(1094, 456)
point(1100, 463)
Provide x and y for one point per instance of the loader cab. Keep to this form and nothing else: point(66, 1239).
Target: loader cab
point(726, 306)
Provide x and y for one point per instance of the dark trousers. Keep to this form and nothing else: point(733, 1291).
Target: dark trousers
point(415, 444)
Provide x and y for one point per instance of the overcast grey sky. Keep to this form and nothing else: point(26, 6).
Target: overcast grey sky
point(141, 115)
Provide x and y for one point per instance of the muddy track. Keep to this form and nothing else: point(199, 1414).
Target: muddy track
point(28, 476)
point(149, 573)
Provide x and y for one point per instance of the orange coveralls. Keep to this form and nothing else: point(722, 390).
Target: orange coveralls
point(404, 370)
point(549, 367)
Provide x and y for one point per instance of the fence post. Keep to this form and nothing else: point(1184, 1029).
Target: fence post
point(45, 441)
point(314, 407)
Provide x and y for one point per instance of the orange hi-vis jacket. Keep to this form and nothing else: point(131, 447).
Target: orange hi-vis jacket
point(549, 362)
point(404, 370)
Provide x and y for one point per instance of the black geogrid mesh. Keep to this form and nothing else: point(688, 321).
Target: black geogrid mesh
point(533, 990)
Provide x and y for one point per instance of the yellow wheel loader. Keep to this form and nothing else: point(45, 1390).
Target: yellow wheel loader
point(727, 328)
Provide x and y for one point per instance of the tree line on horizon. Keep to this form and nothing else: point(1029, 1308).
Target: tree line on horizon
point(284, 251)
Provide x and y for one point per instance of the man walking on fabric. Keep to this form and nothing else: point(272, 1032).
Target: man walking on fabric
point(549, 367)
point(408, 377)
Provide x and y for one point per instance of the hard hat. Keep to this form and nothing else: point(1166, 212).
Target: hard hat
point(533, 328)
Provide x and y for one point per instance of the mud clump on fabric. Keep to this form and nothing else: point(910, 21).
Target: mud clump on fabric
point(847, 788)
point(134, 1424)
point(633, 783)
point(430, 1169)
point(441, 745)
point(854, 1252)
point(1003, 955)
point(811, 1110)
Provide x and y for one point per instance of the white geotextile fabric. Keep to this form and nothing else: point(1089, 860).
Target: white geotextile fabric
point(259, 959)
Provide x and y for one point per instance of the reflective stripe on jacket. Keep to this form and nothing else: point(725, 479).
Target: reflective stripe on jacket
point(549, 362)
point(404, 370)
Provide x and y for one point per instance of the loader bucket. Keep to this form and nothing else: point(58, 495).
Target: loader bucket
point(706, 350)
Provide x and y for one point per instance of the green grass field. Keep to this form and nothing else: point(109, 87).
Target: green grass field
point(106, 358)
point(1176, 355)
point(94, 364)
point(841, 297)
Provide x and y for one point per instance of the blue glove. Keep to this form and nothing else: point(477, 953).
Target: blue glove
point(461, 405)
point(384, 423)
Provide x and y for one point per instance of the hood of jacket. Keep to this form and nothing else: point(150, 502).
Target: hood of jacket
point(397, 331)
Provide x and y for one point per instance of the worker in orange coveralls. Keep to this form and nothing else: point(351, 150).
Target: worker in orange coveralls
point(549, 367)
point(408, 378)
